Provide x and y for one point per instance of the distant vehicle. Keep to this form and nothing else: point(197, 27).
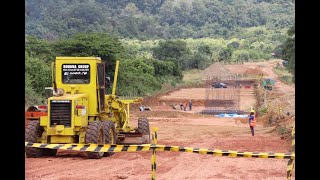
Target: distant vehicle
point(219, 85)
point(268, 83)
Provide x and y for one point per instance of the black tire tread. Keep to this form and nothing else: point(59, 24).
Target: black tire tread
point(144, 128)
point(106, 127)
point(31, 135)
point(92, 134)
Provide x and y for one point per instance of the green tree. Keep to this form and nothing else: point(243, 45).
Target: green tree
point(38, 76)
point(288, 52)
point(91, 44)
point(137, 77)
point(40, 48)
point(233, 45)
point(225, 54)
point(170, 49)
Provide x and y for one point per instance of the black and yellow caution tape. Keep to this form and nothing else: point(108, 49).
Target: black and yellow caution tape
point(289, 169)
point(147, 147)
point(291, 163)
point(153, 165)
point(293, 144)
point(153, 157)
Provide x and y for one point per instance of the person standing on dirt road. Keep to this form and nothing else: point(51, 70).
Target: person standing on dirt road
point(185, 105)
point(181, 105)
point(252, 121)
point(190, 105)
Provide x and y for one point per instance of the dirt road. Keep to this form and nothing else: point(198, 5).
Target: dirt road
point(267, 68)
point(178, 128)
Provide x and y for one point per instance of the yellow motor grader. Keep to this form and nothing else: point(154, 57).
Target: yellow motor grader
point(80, 111)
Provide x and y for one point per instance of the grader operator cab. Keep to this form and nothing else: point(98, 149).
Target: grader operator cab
point(80, 111)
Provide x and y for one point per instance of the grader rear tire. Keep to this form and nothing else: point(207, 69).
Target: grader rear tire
point(95, 135)
point(32, 134)
point(144, 128)
point(110, 135)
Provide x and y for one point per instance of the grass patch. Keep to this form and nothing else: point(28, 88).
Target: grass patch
point(283, 75)
point(192, 76)
point(282, 130)
point(262, 110)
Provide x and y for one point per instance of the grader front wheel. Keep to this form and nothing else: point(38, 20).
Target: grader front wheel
point(95, 135)
point(110, 135)
point(33, 134)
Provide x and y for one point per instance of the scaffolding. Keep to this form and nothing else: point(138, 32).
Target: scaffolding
point(225, 100)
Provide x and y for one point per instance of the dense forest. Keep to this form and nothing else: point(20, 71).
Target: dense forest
point(154, 19)
point(156, 40)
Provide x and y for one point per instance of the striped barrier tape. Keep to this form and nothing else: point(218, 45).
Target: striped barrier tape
point(290, 163)
point(289, 169)
point(147, 147)
point(293, 144)
point(153, 165)
point(153, 158)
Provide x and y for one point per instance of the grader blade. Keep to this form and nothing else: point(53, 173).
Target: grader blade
point(132, 138)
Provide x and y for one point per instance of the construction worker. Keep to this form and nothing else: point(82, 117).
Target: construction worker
point(190, 105)
point(252, 121)
point(181, 105)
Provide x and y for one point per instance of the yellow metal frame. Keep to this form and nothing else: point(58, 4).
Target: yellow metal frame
point(86, 94)
point(89, 89)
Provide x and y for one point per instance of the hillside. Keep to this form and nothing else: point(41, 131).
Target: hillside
point(156, 19)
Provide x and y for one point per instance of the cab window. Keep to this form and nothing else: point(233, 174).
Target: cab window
point(75, 73)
